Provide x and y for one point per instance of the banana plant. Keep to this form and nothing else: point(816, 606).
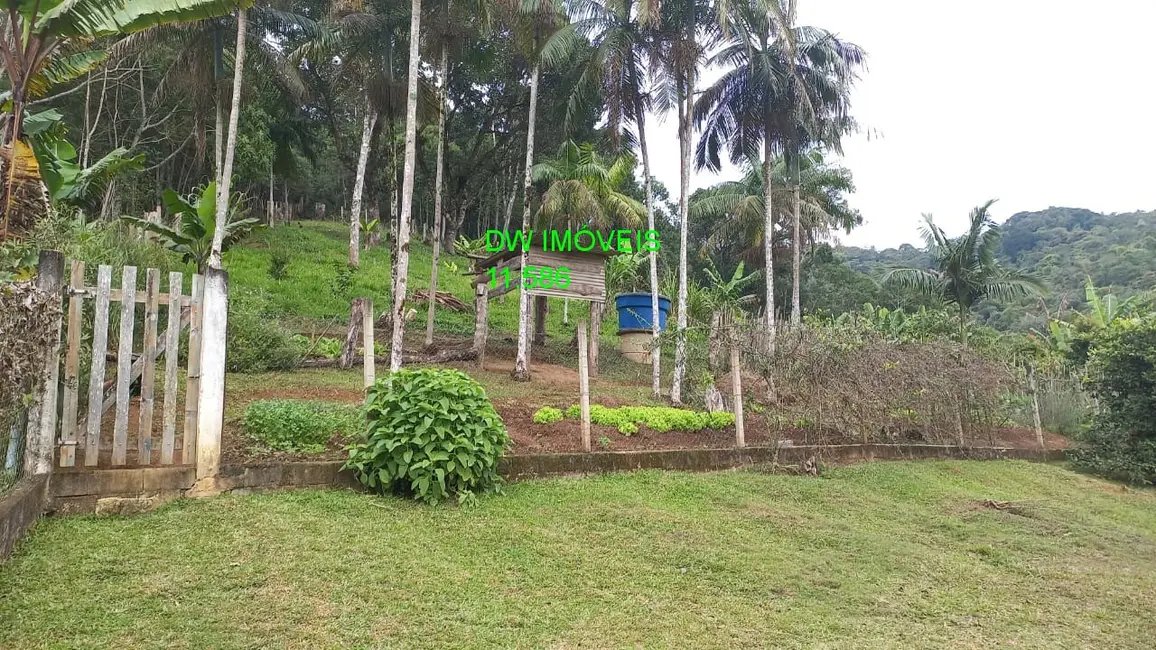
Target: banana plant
point(196, 219)
point(46, 43)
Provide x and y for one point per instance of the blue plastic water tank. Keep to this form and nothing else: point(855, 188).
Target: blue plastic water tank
point(634, 312)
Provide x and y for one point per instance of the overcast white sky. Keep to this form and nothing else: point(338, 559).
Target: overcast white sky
point(1036, 103)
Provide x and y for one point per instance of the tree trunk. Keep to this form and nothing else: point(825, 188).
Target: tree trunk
point(437, 238)
point(541, 309)
point(230, 147)
point(714, 344)
point(510, 203)
point(796, 250)
point(656, 351)
point(522, 361)
point(353, 335)
point(1035, 406)
point(367, 124)
point(218, 135)
point(769, 237)
point(396, 342)
point(685, 104)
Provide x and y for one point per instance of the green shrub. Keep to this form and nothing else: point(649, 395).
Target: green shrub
point(257, 342)
point(546, 415)
point(1121, 442)
point(300, 426)
point(658, 418)
point(432, 434)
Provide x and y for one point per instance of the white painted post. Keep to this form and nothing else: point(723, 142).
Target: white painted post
point(737, 387)
point(368, 357)
point(41, 432)
point(211, 401)
point(584, 384)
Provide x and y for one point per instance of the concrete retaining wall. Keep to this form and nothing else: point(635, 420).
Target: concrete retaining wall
point(128, 491)
point(19, 510)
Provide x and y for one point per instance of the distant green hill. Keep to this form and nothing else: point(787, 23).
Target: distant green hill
point(1064, 246)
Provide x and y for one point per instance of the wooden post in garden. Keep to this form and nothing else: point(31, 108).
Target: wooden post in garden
point(737, 388)
point(368, 356)
point(68, 430)
point(148, 372)
point(583, 385)
point(595, 335)
point(193, 384)
point(211, 401)
point(99, 354)
point(481, 321)
point(40, 438)
point(1035, 406)
point(124, 364)
point(172, 344)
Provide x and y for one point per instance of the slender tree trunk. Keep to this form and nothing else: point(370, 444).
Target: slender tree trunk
point(444, 73)
point(218, 135)
point(510, 203)
point(223, 188)
point(522, 361)
point(1036, 406)
point(656, 351)
point(269, 208)
point(685, 104)
point(769, 238)
point(396, 342)
point(541, 309)
point(367, 124)
point(796, 248)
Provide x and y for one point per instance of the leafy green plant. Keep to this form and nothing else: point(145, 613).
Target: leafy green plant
point(546, 415)
point(279, 264)
point(604, 442)
point(196, 218)
point(300, 426)
point(1121, 443)
point(658, 418)
point(432, 434)
point(257, 342)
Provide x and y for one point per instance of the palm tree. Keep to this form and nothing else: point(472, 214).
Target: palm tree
point(738, 208)
point(402, 246)
point(47, 44)
point(966, 270)
point(617, 73)
point(583, 189)
point(677, 46)
point(545, 36)
point(787, 88)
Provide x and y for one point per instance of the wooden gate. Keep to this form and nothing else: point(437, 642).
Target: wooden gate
point(125, 380)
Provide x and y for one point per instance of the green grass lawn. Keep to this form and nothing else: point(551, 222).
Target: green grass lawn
point(882, 555)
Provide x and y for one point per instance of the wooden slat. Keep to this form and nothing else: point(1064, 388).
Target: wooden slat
point(72, 369)
point(172, 345)
point(144, 445)
point(96, 377)
point(193, 385)
point(124, 365)
point(116, 296)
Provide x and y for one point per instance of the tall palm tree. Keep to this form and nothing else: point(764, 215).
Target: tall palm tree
point(46, 44)
point(738, 208)
point(678, 46)
point(545, 36)
point(453, 21)
point(401, 248)
point(966, 270)
point(787, 88)
point(585, 189)
point(617, 73)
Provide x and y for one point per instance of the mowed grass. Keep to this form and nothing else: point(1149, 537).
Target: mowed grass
point(883, 555)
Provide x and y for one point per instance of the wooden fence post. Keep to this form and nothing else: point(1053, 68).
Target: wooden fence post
point(68, 431)
point(481, 321)
point(96, 374)
point(144, 452)
point(40, 439)
point(584, 385)
point(124, 364)
point(1035, 406)
point(211, 400)
point(172, 345)
point(193, 384)
point(737, 387)
point(369, 359)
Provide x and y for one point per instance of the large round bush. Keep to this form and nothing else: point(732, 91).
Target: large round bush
point(432, 434)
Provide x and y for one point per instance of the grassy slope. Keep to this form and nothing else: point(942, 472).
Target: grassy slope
point(319, 248)
point(882, 555)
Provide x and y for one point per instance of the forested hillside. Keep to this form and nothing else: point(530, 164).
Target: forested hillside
point(1063, 247)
